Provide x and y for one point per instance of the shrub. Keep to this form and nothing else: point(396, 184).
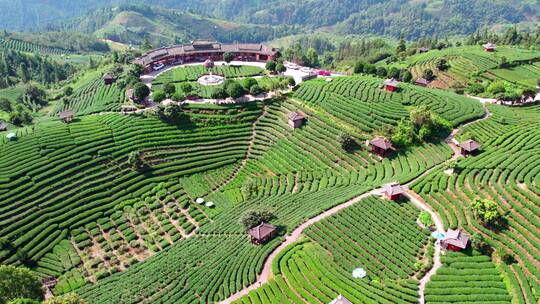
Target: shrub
point(159, 96)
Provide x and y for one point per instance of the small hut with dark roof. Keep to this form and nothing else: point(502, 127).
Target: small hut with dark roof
point(262, 233)
point(423, 50)
point(422, 82)
point(455, 240)
point(469, 147)
point(108, 79)
point(394, 191)
point(66, 116)
point(391, 85)
point(340, 300)
point(296, 119)
point(3, 126)
point(380, 146)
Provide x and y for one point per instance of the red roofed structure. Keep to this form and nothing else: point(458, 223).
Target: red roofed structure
point(391, 85)
point(341, 300)
point(489, 47)
point(422, 82)
point(455, 240)
point(469, 147)
point(380, 146)
point(394, 191)
point(262, 233)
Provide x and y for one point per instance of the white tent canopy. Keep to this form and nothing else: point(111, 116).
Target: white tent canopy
point(359, 273)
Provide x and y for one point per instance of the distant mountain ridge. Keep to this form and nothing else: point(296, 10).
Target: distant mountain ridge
point(382, 17)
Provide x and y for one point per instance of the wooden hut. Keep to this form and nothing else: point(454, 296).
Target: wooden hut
point(66, 116)
point(489, 47)
point(455, 240)
point(469, 147)
point(3, 126)
point(423, 50)
point(422, 82)
point(394, 191)
point(391, 85)
point(296, 119)
point(380, 146)
point(108, 79)
point(340, 300)
point(262, 233)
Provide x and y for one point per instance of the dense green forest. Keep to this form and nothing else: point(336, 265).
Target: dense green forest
point(415, 18)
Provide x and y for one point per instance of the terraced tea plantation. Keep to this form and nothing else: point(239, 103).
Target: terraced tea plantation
point(511, 182)
point(468, 62)
point(467, 278)
point(91, 95)
point(133, 209)
point(319, 267)
point(29, 47)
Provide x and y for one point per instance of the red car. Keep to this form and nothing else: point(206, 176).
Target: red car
point(324, 73)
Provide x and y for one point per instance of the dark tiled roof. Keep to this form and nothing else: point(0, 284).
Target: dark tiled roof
point(341, 300)
point(391, 82)
point(382, 143)
point(262, 231)
point(108, 76)
point(3, 126)
point(296, 116)
point(66, 114)
point(394, 189)
point(470, 145)
point(456, 238)
point(202, 46)
point(422, 81)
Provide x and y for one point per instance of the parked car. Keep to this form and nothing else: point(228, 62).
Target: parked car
point(158, 66)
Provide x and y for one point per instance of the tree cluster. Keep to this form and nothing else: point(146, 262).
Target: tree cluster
point(486, 211)
point(253, 218)
point(422, 125)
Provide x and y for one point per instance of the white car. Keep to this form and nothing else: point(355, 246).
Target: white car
point(158, 67)
point(305, 70)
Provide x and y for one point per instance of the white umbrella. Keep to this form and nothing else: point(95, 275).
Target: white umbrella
point(359, 273)
point(199, 200)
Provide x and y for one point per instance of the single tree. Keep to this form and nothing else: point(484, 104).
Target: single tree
point(312, 58)
point(280, 68)
point(141, 91)
point(255, 90)
point(159, 96)
point(346, 141)
point(486, 211)
point(235, 90)
point(441, 64)
point(18, 282)
point(228, 57)
point(135, 160)
point(146, 46)
point(271, 66)
point(169, 89)
point(5, 105)
point(253, 218)
point(187, 88)
point(428, 74)
point(68, 91)
point(359, 67)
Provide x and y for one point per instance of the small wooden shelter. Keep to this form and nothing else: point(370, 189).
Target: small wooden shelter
point(380, 146)
point(262, 233)
point(489, 47)
point(125, 109)
point(422, 82)
point(469, 147)
point(423, 50)
point(394, 191)
point(391, 85)
point(108, 79)
point(66, 116)
point(296, 119)
point(341, 300)
point(3, 126)
point(455, 240)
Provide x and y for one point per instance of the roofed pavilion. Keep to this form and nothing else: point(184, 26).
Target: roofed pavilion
point(380, 146)
point(469, 147)
point(262, 233)
point(66, 116)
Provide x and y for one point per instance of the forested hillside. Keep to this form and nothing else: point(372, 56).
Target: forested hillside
point(391, 17)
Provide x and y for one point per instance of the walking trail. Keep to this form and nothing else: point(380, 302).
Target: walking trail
point(413, 197)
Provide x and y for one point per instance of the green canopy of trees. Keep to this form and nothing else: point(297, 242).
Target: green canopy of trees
point(18, 282)
point(253, 218)
point(486, 211)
